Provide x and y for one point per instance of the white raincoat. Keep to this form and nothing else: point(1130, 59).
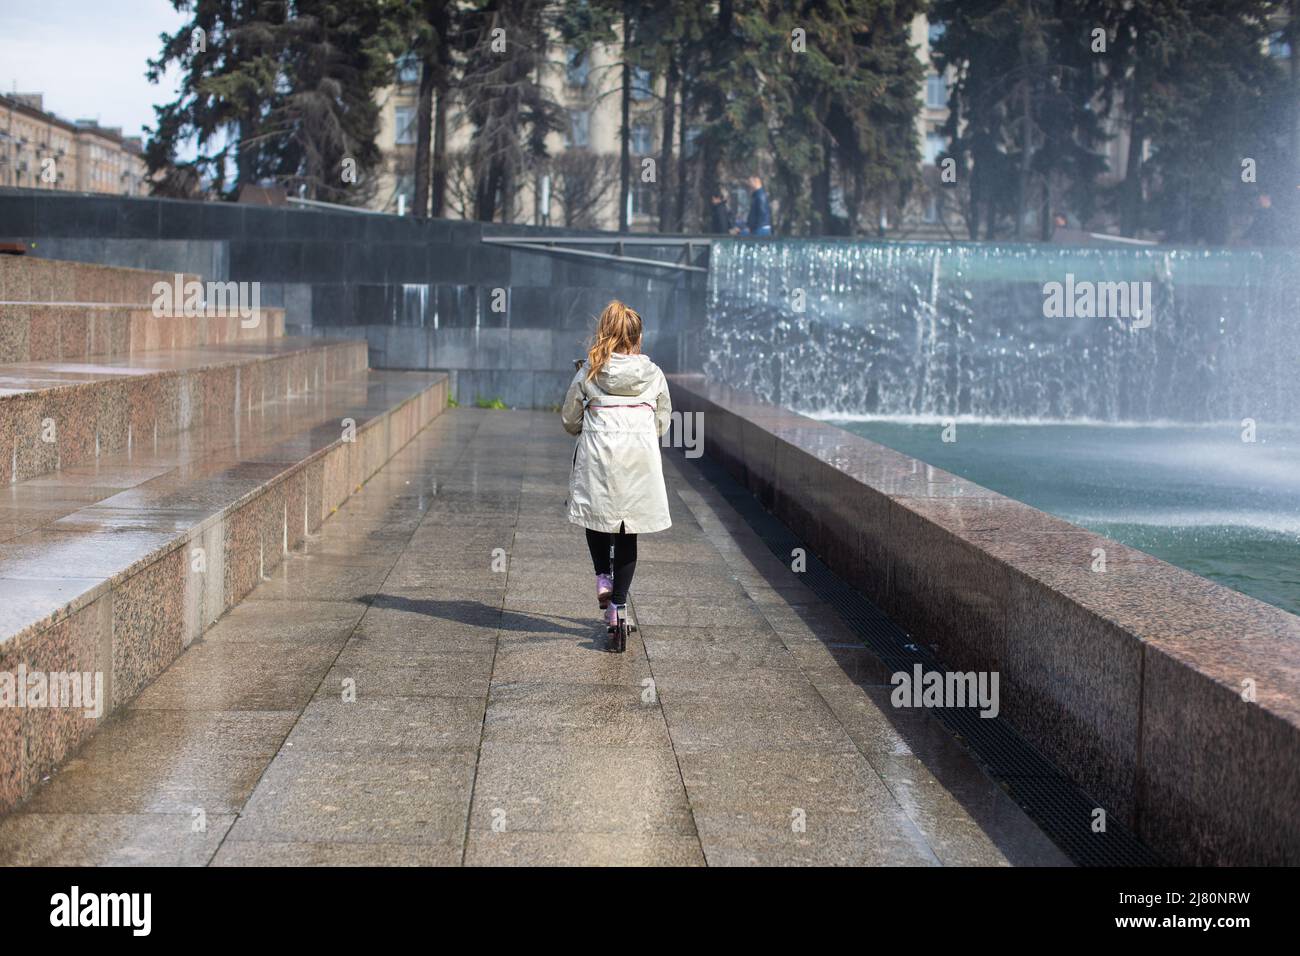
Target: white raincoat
point(617, 482)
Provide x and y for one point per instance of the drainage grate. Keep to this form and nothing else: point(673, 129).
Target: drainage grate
point(1045, 793)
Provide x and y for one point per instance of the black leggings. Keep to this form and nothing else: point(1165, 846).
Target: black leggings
point(624, 563)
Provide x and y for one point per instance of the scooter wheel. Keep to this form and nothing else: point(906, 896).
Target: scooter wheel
point(617, 640)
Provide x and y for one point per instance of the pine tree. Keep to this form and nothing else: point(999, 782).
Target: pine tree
point(334, 58)
point(1021, 110)
point(873, 102)
point(718, 77)
point(229, 65)
point(828, 94)
point(283, 98)
point(502, 97)
point(1199, 94)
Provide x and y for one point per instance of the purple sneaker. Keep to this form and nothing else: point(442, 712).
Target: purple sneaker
point(611, 615)
point(604, 588)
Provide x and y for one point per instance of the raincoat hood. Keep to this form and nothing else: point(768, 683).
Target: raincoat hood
point(626, 374)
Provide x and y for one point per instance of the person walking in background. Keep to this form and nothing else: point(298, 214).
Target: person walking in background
point(721, 214)
point(759, 222)
point(618, 405)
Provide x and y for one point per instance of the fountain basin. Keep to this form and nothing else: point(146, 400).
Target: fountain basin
point(1197, 496)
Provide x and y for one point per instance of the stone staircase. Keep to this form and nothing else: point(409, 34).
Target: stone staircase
point(152, 471)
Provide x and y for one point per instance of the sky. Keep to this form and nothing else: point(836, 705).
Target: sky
point(88, 57)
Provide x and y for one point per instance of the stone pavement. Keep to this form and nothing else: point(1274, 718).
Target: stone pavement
point(424, 684)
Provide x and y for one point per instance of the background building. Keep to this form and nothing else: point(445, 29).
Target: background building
point(39, 150)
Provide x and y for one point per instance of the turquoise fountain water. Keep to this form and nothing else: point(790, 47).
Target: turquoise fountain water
point(1176, 431)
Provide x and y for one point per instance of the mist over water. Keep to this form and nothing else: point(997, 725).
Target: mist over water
point(950, 329)
point(1135, 433)
point(1195, 496)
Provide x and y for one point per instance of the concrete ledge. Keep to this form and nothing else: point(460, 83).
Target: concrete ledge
point(130, 623)
point(1133, 681)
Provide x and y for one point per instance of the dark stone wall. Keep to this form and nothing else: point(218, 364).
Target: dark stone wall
point(421, 292)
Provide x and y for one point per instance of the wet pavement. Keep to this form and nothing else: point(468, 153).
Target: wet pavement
point(425, 683)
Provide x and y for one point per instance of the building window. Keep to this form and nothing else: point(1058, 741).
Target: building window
point(642, 84)
point(641, 140)
point(645, 198)
point(579, 128)
point(405, 125)
point(935, 145)
point(930, 214)
point(408, 69)
point(577, 67)
point(936, 92)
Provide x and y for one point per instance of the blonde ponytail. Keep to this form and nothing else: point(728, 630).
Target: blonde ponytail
point(617, 330)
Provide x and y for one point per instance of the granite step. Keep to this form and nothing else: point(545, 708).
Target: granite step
point(136, 556)
point(33, 279)
point(51, 309)
point(43, 332)
point(64, 414)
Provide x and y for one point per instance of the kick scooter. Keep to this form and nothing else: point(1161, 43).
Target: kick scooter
point(616, 643)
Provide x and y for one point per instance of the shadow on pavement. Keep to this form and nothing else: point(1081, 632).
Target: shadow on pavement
point(486, 615)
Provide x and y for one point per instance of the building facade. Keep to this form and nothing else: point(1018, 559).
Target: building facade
point(39, 150)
